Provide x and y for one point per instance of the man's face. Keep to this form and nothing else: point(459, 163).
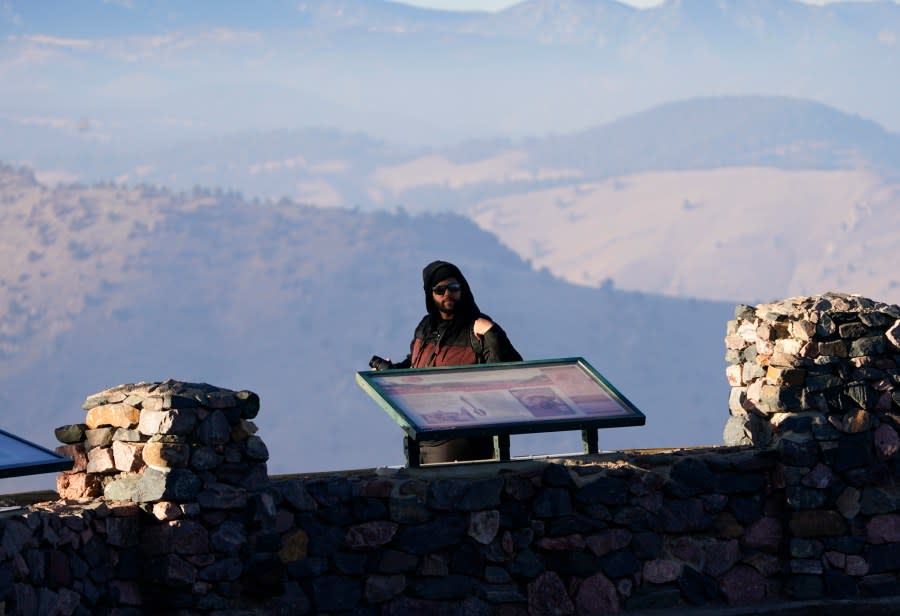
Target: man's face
point(448, 298)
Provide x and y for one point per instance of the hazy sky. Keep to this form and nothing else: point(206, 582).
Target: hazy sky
point(496, 5)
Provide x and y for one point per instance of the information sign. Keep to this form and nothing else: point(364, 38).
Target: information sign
point(18, 457)
point(501, 399)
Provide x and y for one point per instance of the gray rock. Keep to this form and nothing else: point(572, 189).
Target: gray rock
point(99, 437)
point(256, 448)
point(126, 435)
point(125, 487)
point(214, 430)
point(70, 434)
point(747, 429)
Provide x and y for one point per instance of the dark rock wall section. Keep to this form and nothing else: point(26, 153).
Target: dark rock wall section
point(168, 508)
point(817, 379)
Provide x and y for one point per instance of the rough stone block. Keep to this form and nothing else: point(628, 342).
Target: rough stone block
point(70, 434)
point(835, 348)
point(100, 461)
point(101, 437)
point(547, 595)
point(172, 421)
point(78, 485)
point(78, 455)
point(887, 442)
point(780, 375)
point(483, 526)
point(892, 335)
point(743, 585)
point(115, 415)
point(870, 345)
point(817, 524)
point(371, 535)
point(127, 456)
point(777, 398)
point(166, 455)
point(884, 528)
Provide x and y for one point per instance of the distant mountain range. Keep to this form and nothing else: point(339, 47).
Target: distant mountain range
point(330, 167)
point(110, 284)
point(786, 196)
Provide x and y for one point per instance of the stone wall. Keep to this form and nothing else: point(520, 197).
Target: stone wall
point(818, 379)
point(168, 507)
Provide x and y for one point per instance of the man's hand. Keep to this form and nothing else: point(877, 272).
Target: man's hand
point(481, 326)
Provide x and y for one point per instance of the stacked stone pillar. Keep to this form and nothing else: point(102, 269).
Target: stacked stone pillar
point(818, 379)
point(169, 441)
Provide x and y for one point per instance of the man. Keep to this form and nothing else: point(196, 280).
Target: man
point(455, 333)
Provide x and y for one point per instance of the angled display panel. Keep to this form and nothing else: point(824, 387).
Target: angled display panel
point(510, 398)
point(18, 457)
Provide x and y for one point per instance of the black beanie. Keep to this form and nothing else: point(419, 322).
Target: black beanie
point(436, 271)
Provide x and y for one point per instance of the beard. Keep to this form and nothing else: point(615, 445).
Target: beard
point(447, 306)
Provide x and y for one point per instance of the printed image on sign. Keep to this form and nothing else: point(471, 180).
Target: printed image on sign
point(500, 394)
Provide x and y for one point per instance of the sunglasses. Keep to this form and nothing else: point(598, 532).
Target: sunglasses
point(453, 287)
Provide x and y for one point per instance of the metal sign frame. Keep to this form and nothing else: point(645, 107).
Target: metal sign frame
point(375, 383)
point(41, 460)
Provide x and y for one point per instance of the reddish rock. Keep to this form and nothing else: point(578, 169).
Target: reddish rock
point(743, 584)
point(166, 511)
point(116, 415)
point(764, 534)
point(370, 535)
point(78, 485)
point(547, 596)
point(660, 571)
point(720, 556)
point(127, 456)
point(608, 541)
point(100, 460)
point(377, 488)
point(837, 560)
point(569, 542)
point(887, 443)
point(853, 422)
point(883, 529)
point(597, 595)
point(819, 477)
point(78, 455)
point(856, 565)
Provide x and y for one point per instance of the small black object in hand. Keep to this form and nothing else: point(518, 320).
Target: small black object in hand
point(379, 363)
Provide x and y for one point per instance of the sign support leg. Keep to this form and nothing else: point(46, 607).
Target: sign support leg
point(589, 438)
point(411, 452)
point(501, 446)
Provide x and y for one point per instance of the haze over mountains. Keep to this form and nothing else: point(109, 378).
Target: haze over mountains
point(612, 181)
point(106, 285)
point(158, 72)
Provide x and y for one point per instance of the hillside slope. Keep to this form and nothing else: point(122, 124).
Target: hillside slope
point(129, 284)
